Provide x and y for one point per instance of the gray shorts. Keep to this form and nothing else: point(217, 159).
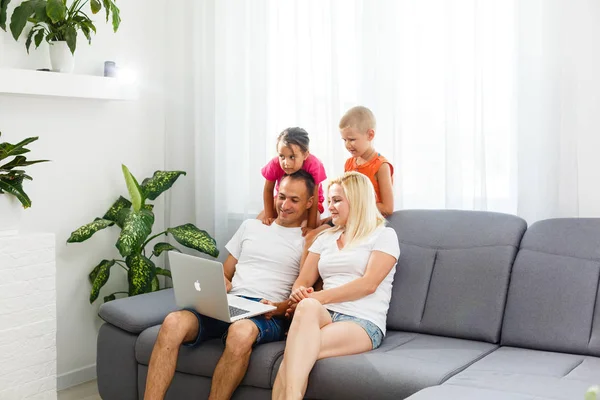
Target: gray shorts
point(372, 330)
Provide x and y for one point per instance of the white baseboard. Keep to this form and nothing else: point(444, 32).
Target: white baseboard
point(76, 377)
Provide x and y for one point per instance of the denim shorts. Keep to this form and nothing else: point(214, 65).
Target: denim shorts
point(372, 330)
point(269, 330)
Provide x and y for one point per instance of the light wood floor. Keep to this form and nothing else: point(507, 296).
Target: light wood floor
point(85, 391)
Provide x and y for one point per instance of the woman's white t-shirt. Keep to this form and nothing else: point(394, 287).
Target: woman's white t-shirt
point(338, 267)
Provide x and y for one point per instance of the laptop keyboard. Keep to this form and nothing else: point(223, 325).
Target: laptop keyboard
point(234, 311)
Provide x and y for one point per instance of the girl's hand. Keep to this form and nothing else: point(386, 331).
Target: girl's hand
point(300, 293)
point(268, 220)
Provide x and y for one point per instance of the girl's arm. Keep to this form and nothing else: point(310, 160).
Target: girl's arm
point(379, 266)
point(309, 273)
point(386, 191)
point(313, 210)
point(268, 202)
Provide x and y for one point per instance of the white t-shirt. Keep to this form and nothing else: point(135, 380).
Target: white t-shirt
point(268, 260)
point(338, 267)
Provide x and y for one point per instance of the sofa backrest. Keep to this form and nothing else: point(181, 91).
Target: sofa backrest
point(553, 299)
point(453, 272)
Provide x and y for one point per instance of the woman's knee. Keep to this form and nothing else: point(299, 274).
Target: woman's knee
point(241, 336)
point(308, 308)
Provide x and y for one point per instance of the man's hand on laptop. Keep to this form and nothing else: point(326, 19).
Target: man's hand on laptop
point(228, 284)
point(281, 308)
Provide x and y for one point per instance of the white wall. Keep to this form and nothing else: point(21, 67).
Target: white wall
point(87, 140)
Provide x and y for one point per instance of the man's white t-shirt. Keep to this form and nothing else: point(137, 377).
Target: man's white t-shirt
point(268, 260)
point(338, 267)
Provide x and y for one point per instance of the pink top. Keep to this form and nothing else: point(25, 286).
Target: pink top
point(273, 172)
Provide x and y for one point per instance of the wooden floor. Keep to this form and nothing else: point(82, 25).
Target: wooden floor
point(85, 391)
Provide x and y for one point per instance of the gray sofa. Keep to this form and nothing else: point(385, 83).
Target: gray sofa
point(482, 307)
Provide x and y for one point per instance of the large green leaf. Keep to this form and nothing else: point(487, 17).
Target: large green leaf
point(140, 275)
point(95, 6)
point(7, 149)
point(163, 246)
point(39, 7)
point(71, 38)
point(194, 238)
point(39, 37)
point(86, 231)
point(134, 189)
point(113, 212)
point(160, 182)
point(13, 184)
point(20, 161)
point(56, 10)
point(163, 272)
point(19, 19)
point(98, 277)
point(136, 228)
point(3, 8)
point(116, 17)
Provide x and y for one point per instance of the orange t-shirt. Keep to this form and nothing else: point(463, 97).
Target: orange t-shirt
point(370, 169)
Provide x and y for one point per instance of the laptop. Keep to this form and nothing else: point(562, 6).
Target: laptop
point(199, 284)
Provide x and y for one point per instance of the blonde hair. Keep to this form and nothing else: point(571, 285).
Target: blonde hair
point(360, 118)
point(364, 217)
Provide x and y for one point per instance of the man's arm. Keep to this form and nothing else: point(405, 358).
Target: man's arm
point(229, 270)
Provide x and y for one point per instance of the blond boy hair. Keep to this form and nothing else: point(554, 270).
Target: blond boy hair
point(360, 118)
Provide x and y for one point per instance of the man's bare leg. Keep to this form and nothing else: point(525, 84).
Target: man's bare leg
point(233, 364)
point(177, 328)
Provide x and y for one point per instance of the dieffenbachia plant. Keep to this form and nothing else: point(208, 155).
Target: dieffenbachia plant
point(135, 218)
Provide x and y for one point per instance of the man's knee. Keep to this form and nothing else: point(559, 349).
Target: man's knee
point(241, 336)
point(179, 326)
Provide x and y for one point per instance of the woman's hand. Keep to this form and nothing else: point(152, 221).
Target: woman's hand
point(300, 293)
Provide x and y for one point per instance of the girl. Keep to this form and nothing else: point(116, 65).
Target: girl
point(292, 147)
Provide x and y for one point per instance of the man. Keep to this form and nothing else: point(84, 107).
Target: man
point(263, 263)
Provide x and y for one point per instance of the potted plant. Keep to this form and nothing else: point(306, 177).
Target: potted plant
point(135, 219)
point(11, 183)
point(58, 24)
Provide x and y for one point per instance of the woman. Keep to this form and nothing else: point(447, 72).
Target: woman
point(357, 260)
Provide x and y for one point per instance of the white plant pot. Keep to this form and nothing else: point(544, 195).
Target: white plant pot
point(11, 212)
point(61, 58)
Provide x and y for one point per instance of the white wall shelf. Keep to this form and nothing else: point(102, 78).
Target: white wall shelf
point(43, 83)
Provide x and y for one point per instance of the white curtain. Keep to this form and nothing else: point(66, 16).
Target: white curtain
point(470, 97)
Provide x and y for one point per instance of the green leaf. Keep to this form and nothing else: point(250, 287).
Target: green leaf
point(8, 150)
point(113, 211)
point(86, 231)
point(134, 189)
point(155, 284)
point(100, 275)
point(29, 40)
point(38, 38)
point(137, 227)
point(92, 275)
point(71, 38)
point(140, 275)
point(13, 184)
point(163, 272)
point(194, 238)
point(110, 297)
point(122, 216)
point(19, 18)
point(163, 246)
point(3, 8)
point(39, 7)
point(96, 6)
point(160, 182)
point(20, 161)
point(116, 17)
point(56, 10)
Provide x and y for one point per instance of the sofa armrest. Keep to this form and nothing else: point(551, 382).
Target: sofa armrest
point(135, 314)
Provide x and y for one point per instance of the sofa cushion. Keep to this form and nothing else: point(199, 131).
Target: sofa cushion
point(203, 359)
point(404, 364)
point(453, 272)
point(451, 392)
point(553, 296)
point(532, 372)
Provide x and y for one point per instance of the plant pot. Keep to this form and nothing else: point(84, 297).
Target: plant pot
point(61, 58)
point(11, 212)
